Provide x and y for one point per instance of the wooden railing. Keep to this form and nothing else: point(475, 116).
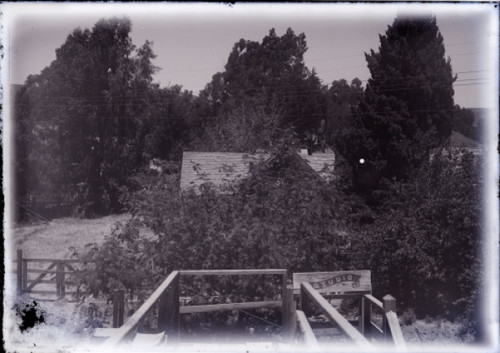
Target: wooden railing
point(305, 331)
point(58, 267)
point(236, 306)
point(167, 294)
point(309, 295)
point(390, 330)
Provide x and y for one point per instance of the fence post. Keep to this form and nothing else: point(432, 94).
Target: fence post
point(20, 271)
point(24, 271)
point(289, 319)
point(366, 317)
point(60, 280)
point(305, 306)
point(118, 307)
point(63, 280)
point(389, 305)
point(284, 298)
point(168, 315)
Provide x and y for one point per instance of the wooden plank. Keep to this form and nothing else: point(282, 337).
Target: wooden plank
point(376, 332)
point(374, 301)
point(118, 307)
point(148, 340)
point(43, 292)
point(50, 292)
point(54, 300)
point(172, 311)
point(148, 304)
point(104, 332)
point(37, 270)
point(285, 298)
point(395, 329)
point(334, 316)
point(61, 286)
point(306, 331)
point(288, 313)
point(349, 295)
point(45, 281)
point(40, 277)
point(366, 314)
point(335, 282)
point(231, 306)
point(53, 260)
point(24, 271)
point(232, 272)
point(19, 271)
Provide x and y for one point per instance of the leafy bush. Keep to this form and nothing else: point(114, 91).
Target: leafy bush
point(282, 216)
point(423, 246)
point(421, 241)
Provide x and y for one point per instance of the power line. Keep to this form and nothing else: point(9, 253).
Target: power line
point(144, 94)
point(120, 101)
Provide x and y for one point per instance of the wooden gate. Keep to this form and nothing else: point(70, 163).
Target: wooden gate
point(54, 276)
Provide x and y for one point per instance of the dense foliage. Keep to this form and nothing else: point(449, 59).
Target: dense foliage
point(424, 245)
point(407, 107)
point(271, 74)
point(282, 216)
point(87, 121)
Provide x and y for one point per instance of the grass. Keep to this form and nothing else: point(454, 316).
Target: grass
point(60, 238)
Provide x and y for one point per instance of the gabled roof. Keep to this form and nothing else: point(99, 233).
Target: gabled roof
point(224, 168)
point(459, 140)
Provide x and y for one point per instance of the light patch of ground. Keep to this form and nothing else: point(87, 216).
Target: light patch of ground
point(434, 332)
point(58, 238)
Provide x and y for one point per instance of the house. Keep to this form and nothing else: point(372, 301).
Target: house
point(459, 145)
point(224, 168)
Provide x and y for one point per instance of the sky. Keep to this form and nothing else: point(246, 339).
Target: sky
point(193, 41)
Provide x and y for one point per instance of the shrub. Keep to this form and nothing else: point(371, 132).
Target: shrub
point(282, 216)
point(423, 246)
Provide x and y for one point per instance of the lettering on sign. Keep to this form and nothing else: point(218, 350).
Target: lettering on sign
point(335, 282)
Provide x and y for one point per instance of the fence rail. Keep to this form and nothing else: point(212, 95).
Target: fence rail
point(308, 293)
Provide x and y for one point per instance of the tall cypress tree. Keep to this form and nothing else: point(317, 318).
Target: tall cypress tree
point(407, 107)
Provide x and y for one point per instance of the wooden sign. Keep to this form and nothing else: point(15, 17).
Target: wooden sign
point(335, 282)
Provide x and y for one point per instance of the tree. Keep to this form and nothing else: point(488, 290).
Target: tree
point(407, 107)
point(342, 98)
point(83, 115)
point(240, 127)
point(166, 128)
point(269, 74)
point(465, 122)
point(424, 245)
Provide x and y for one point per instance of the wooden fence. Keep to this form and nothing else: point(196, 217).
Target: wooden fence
point(167, 296)
point(388, 332)
point(55, 273)
point(309, 295)
point(295, 323)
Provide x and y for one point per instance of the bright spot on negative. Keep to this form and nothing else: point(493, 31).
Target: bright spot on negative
point(361, 161)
